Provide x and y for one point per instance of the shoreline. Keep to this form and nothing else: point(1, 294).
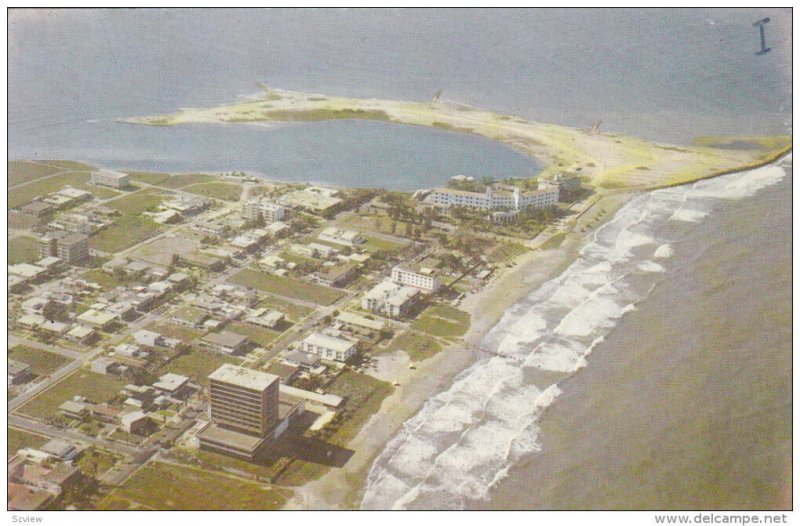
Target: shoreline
point(343, 488)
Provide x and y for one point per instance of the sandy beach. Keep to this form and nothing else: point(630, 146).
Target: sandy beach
point(342, 488)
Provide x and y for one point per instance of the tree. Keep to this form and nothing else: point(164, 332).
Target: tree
point(377, 221)
point(394, 227)
point(406, 229)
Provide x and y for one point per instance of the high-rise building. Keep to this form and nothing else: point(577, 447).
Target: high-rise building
point(262, 208)
point(70, 247)
point(243, 399)
point(111, 178)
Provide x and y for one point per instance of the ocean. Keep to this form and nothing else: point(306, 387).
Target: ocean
point(672, 333)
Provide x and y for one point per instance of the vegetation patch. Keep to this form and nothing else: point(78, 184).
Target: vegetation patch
point(505, 252)
point(18, 439)
point(322, 114)
point(418, 346)
point(161, 486)
point(364, 396)
point(216, 190)
point(41, 362)
point(124, 234)
point(196, 364)
point(288, 287)
point(20, 172)
point(154, 178)
point(443, 321)
point(136, 203)
point(261, 336)
point(42, 187)
point(96, 387)
point(23, 249)
point(181, 180)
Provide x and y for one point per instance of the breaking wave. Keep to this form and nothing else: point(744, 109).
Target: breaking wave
point(463, 441)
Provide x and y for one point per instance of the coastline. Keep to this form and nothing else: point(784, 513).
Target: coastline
point(342, 488)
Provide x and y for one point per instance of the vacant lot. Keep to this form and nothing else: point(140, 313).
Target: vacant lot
point(41, 362)
point(39, 188)
point(160, 251)
point(364, 396)
point(94, 462)
point(125, 233)
point(137, 202)
point(443, 320)
point(95, 387)
point(18, 439)
point(291, 310)
point(181, 180)
point(418, 346)
point(288, 287)
point(20, 220)
point(196, 364)
point(261, 336)
point(217, 190)
point(103, 279)
point(160, 486)
point(23, 249)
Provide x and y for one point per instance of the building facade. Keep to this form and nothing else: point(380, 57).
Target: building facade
point(262, 208)
point(497, 197)
point(243, 400)
point(328, 347)
point(111, 178)
point(425, 279)
point(69, 247)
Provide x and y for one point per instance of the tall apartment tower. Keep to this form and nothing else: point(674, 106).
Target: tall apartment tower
point(244, 400)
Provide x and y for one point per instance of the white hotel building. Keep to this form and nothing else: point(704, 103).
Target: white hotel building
point(497, 197)
point(261, 207)
point(425, 279)
point(328, 347)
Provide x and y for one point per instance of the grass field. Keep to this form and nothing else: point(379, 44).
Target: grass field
point(261, 336)
point(161, 486)
point(374, 244)
point(181, 180)
point(292, 311)
point(20, 220)
point(123, 234)
point(217, 190)
point(20, 172)
point(94, 462)
point(196, 364)
point(418, 346)
point(95, 387)
point(41, 362)
point(68, 165)
point(173, 330)
point(288, 287)
point(137, 202)
point(18, 439)
point(153, 178)
point(442, 320)
point(39, 188)
point(103, 279)
point(23, 249)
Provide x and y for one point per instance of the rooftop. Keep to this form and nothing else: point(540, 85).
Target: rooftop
point(329, 342)
point(225, 339)
point(170, 382)
point(243, 377)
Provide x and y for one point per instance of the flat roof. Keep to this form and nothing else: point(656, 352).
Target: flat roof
point(243, 377)
point(234, 439)
point(329, 342)
point(361, 321)
point(225, 339)
point(170, 382)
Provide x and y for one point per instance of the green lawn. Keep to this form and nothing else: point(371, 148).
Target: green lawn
point(374, 244)
point(442, 320)
point(18, 439)
point(23, 249)
point(288, 287)
point(196, 364)
point(217, 190)
point(261, 336)
point(69, 165)
point(125, 233)
point(98, 388)
point(173, 330)
point(162, 486)
point(41, 362)
point(40, 188)
point(418, 346)
point(181, 180)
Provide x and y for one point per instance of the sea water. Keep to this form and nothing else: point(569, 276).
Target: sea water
point(457, 451)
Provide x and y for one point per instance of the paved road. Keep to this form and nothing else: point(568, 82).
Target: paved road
point(29, 424)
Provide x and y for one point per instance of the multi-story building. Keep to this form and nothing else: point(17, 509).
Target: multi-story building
point(390, 299)
point(260, 207)
point(110, 178)
point(497, 197)
point(328, 347)
point(423, 278)
point(244, 408)
point(70, 247)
